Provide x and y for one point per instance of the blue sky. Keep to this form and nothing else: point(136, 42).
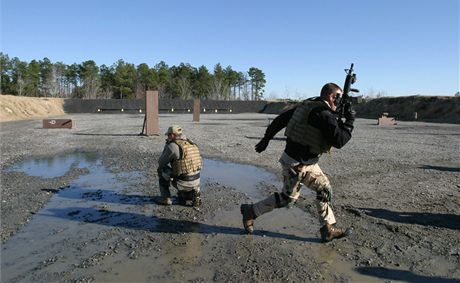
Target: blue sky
point(399, 47)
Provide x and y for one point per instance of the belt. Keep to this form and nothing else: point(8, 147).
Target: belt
point(189, 178)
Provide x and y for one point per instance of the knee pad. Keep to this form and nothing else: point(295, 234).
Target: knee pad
point(189, 198)
point(282, 200)
point(325, 194)
point(181, 197)
point(187, 195)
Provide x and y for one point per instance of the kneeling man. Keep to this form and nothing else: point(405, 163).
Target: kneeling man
point(180, 164)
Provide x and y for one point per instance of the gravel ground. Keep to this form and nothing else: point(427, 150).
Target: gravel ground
point(397, 186)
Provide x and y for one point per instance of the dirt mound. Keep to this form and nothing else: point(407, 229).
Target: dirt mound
point(443, 109)
point(21, 108)
point(277, 107)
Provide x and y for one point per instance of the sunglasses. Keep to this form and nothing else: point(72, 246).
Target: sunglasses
point(338, 97)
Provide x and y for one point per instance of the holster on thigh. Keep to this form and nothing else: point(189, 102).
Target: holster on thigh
point(292, 184)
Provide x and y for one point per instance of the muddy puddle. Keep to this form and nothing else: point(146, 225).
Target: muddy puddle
point(81, 221)
point(55, 166)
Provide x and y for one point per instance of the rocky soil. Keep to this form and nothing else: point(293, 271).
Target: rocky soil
point(397, 186)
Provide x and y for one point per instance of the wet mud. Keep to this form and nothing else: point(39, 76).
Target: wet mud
point(90, 213)
point(74, 231)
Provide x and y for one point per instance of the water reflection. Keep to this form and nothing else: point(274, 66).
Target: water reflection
point(55, 166)
point(245, 178)
point(97, 201)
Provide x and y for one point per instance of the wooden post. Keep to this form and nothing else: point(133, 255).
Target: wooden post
point(151, 113)
point(196, 110)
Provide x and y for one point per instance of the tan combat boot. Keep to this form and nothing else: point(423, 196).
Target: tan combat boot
point(248, 217)
point(330, 232)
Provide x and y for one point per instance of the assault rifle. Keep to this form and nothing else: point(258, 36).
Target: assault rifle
point(349, 80)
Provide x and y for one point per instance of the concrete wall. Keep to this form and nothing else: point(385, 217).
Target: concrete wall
point(165, 105)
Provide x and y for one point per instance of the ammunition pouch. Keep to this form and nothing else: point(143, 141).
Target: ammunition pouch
point(189, 198)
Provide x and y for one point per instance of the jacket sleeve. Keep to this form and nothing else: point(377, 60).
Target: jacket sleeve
point(333, 129)
point(278, 123)
point(169, 154)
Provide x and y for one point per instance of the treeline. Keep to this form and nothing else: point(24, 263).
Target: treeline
point(124, 80)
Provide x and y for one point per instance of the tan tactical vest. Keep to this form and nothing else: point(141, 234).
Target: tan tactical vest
point(190, 161)
point(299, 131)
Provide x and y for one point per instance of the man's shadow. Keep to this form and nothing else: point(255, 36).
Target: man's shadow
point(259, 138)
point(105, 196)
point(401, 275)
point(157, 224)
point(440, 168)
point(108, 135)
point(109, 196)
point(442, 220)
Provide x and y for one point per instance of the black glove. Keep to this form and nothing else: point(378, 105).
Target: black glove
point(349, 114)
point(262, 145)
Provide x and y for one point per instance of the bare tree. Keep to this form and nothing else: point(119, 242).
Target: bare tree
point(245, 88)
point(54, 82)
point(218, 88)
point(21, 84)
point(184, 87)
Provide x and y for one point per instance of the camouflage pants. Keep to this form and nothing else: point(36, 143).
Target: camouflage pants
point(294, 175)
